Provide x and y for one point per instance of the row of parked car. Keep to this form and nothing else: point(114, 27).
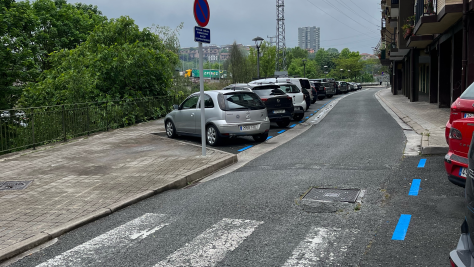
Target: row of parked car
point(459, 164)
point(247, 109)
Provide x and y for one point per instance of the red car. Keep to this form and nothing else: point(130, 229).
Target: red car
point(458, 135)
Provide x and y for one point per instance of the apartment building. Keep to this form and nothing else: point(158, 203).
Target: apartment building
point(309, 38)
point(422, 42)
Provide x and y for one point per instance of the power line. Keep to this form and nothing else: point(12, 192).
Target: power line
point(347, 37)
point(337, 19)
point(363, 10)
point(335, 7)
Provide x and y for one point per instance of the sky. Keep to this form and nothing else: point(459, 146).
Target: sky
point(354, 24)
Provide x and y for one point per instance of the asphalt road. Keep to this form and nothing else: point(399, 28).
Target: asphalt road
point(239, 144)
point(254, 216)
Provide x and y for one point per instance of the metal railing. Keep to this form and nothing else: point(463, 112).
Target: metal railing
point(31, 127)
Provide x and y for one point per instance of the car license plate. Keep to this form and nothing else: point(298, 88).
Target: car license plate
point(463, 172)
point(248, 128)
point(468, 115)
point(279, 111)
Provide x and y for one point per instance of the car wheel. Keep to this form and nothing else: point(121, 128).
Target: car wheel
point(298, 117)
point(329, 96)
point(170, 129)
point(212, 135)
point(321, 97)
point(345, 92)
point(313, 101)
point(260, 137)
point(283, 123)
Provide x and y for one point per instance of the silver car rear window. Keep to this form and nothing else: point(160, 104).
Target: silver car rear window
point(242, 101)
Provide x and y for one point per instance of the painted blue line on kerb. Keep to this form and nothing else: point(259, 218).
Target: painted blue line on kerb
point(422, 163)
point(270, 137)
point(245, 148)
point(292, 125)
point(282, 131)
point(301, 121)
point(311, 114)
point(307, 117)
point(415, 187)
point(402, 227)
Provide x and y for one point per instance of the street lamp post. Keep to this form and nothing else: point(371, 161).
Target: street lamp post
point(304, 68)
point(325, 71)
point(341, 73)
point(349, 74)
point(258, 42)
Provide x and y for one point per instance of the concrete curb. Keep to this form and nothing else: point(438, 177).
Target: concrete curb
point(47, 235)
point(425, 148)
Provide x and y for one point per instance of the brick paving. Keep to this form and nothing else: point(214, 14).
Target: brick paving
point(425, 118)
point(75, 179)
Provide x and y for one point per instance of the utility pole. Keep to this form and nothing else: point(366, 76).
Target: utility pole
point(280, 35)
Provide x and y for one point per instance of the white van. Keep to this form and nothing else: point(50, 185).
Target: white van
point(302, 83)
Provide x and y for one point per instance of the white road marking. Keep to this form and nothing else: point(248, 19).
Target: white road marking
point(212, 245)
point(320, 247)
point(119, 239)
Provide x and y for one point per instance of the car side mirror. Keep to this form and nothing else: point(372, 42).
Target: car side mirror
point(175, 106)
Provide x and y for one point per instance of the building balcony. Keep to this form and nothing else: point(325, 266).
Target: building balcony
point(419, 41)
point(445, 13)
point(398, 54)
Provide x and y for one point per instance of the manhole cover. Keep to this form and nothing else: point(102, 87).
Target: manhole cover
point(14, 185)
point(334, 195)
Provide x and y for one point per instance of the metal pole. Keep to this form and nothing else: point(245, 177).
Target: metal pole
point(64, 123)
point(258, 61)
point(465, 8)
point(304, 69)
point(33, 129)
point(203, 114)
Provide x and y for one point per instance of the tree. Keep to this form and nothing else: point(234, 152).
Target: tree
point(295, 53)
point(238, 65)
point(31, 32)
point(18, 50)
point(118, 60)
point(267, 60)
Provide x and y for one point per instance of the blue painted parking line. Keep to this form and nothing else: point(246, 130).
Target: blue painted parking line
point(422, 163)
point(292, 125)
point(282, 131)
point(301, 121)
point(415, 187)
point(402, 227)
point(311, 114)
point(307, 117)
point(270, 137)
point(245, 148)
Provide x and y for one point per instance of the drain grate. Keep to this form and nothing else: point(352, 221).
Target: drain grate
point(14, 185)
point(333, 195)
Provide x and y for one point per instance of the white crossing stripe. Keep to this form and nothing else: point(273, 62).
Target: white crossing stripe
point(212, 245)
point(320, 247)
point(118, 239)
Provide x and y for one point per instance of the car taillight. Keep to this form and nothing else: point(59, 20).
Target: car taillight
point(264, 99)
point(455, 134)
point(324, 88)
point(289, 97)
point(452, 263)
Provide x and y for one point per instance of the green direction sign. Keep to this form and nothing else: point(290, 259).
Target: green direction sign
point(208, 73)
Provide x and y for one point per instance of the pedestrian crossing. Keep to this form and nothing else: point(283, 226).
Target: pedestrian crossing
point(319, 247)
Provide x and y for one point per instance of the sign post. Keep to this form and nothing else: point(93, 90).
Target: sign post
point(202, 35)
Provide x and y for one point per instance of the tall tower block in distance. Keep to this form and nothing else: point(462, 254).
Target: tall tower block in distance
point(280, 30)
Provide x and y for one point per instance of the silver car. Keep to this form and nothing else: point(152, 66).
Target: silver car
point(228, 114)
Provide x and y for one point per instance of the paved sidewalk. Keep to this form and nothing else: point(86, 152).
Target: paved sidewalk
point(424, 118)
point(82, 180)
